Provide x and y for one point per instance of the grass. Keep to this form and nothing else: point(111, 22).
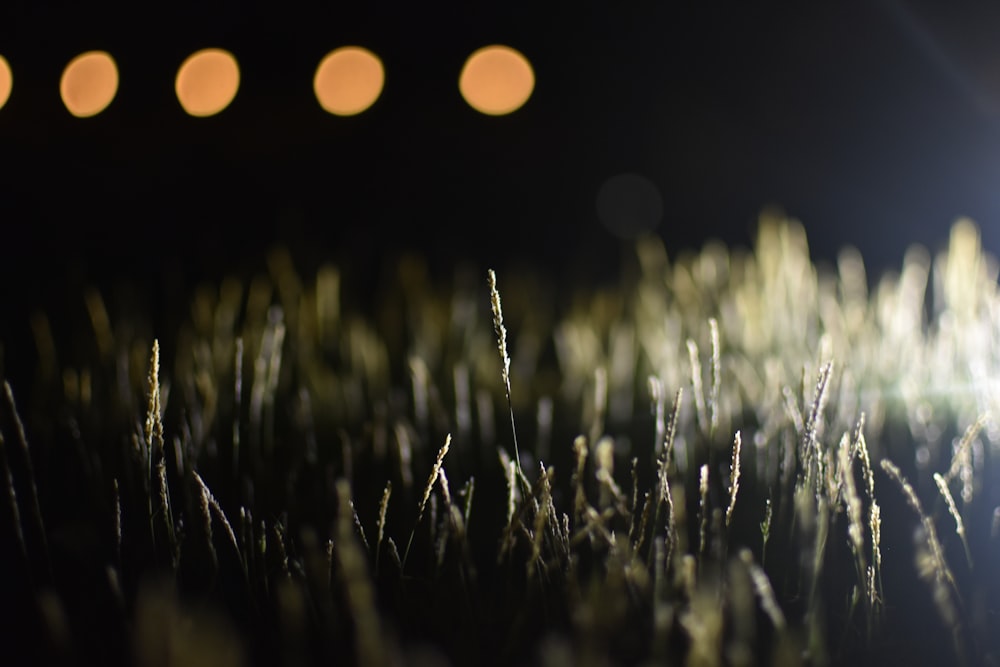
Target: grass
point(235, 489)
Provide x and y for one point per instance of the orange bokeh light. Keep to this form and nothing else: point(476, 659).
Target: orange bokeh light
point(89, 83)
point(496, 80)
point(207, 82)
point(348, 80)
point(6, 81)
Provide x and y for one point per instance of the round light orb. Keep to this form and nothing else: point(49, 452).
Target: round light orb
point(6, 81)
point(348, 80)
point(207, 82)
point(496, 80)
point(89, 83)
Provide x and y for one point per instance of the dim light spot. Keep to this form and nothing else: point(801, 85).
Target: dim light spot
point(496, 80)
point(6, 81)
point(207, 82)
point(348, 80)
point(89, 83)
point(629, 204)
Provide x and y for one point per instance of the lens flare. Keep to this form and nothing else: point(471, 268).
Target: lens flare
point(496, 80)
point(348, 80)
point(207, 82)
point(89, 83)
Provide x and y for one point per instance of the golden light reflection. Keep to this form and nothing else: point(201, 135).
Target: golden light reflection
point(89, 83)
point(496, 80)
point(348, 80)
point(207, 82)
point(6, 81)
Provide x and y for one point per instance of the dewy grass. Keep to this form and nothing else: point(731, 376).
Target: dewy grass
point(608, 531)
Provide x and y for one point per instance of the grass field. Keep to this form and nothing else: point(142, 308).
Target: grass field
point(730, 457)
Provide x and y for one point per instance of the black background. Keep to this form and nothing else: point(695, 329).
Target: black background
point(875, 123)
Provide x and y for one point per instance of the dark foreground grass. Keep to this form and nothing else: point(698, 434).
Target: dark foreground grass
point(730, 458)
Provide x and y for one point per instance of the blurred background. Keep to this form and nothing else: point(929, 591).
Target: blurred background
point(875, 123)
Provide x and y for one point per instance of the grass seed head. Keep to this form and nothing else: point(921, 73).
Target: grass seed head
point(703, 508)
point(383, 507)
point(762, 586)
point(154, 420)
point(734, 476)
point(942, 486)
point(852, 501)
point(697, 386)
point(713, 397)
point(432, 478)
point(500, 329)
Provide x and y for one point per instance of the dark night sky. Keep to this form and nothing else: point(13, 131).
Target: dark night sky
point(875, 123)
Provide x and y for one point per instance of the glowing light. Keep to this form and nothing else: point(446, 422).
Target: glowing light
point(348, 80)
point(496, 80)
point(89, 83)
point(207, 82)
point(6, 81)
point(629, 204)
